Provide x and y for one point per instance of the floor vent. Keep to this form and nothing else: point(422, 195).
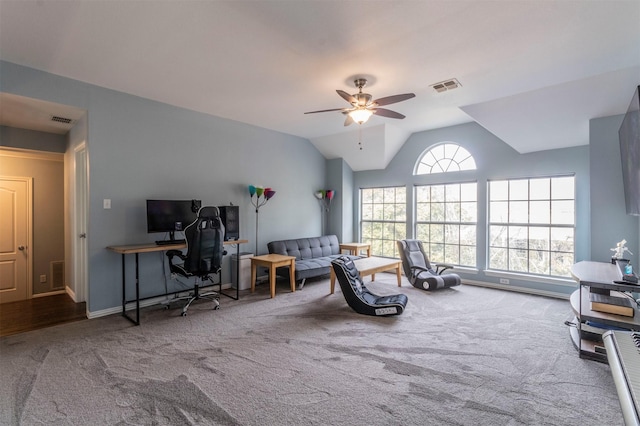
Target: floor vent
point(57, 274)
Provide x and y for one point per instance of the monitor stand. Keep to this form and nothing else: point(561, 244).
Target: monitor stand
point(171, 240)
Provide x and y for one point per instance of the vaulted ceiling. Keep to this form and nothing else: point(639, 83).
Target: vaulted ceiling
point(531, 72)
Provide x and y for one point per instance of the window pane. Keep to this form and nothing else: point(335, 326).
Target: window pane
point(367, 211)
point(422, 194)
point(469, 212)
point(468, 235)
point(498, 236)
point(437, 193)
point(423, 211)
point(519, 189)
point(539, 262)
point(518, 212)
point(561, 264)
point(498, 258)
point(468, 192)
point(437, 212)
point(452, 254)
point(518, 260)
point(436, 232)
point(499, 190)
point(562, 212)
point(540, 189)
point(518, 237)
point(367, 195)
point(378, 211)
point(452, 193)
point(539, 238)
point(452, 212)
point(436, 253)
point(422, 232)
point(563, 188)
point(562, 239)
point(540, 212)
point(499, 211)
point(452, 234)
point(468, 255)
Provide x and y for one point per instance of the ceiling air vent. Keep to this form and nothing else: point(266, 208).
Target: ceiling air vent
point(63, 120)
point(443, 86)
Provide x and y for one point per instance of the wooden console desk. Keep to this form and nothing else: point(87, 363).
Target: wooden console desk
point(153, 247)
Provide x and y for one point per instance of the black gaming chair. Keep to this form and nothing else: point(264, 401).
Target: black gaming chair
point(205, 250)
point(419, 271)
point(359, 298)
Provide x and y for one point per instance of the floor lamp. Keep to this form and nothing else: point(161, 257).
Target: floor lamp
point(324, 196)
point(259, 197)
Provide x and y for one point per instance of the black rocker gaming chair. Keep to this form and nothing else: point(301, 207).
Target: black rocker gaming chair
point(359, 298)
point(418, 269)
point(205, 250)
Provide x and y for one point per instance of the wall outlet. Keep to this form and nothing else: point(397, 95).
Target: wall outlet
point(504, 281)
point(43, 278)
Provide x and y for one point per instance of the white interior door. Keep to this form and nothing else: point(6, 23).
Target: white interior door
point(15, 238)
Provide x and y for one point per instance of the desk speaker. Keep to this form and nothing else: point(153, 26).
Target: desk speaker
point(231, 221)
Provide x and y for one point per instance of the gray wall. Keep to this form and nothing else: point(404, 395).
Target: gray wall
point(141, 149)
point(340, 178)
point(494, 160)
point(12, 137)
point(609, 221)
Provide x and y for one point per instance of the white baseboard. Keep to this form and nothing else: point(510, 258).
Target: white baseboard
point(517, 289)
point(143, 304)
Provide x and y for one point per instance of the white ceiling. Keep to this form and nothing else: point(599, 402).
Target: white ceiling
point(532, 72)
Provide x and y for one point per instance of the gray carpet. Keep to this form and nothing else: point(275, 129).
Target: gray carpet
point(462, 356)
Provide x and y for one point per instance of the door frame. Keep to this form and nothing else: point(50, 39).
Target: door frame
point(80, 199)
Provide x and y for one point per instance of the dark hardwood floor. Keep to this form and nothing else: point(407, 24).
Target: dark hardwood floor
point(39, 312)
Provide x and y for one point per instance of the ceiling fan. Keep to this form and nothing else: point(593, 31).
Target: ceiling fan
point(363, 107)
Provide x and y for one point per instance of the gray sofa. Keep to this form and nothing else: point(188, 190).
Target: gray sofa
point(313, 256)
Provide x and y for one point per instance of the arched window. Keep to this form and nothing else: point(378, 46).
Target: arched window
point(446, 157)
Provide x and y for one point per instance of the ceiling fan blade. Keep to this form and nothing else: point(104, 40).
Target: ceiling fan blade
point(393, 99)
point(347, 97)
point(387, 113)
point(348, 120)
point(325, 110)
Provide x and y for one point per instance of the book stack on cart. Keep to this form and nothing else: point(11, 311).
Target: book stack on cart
point(615, 303)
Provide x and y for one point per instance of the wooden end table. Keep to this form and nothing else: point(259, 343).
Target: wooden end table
point(356, 248)
point(370, 266)
point(273, 261)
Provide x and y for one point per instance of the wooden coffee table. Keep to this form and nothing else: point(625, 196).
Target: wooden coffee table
point(273, 261)
point(371, 266)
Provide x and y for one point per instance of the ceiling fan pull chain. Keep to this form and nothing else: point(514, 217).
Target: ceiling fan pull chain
point(360, 136)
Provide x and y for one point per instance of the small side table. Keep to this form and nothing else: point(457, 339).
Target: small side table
point(273, 261)
point(356, 248)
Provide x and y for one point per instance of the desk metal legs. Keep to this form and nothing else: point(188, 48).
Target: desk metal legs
point(136, 321)
point(237, 296)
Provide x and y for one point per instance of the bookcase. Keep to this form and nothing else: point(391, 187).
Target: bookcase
point(597, 277)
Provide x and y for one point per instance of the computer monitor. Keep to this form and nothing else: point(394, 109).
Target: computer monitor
point(170, 216)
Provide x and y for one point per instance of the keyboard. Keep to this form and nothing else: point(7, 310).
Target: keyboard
point(170, 242)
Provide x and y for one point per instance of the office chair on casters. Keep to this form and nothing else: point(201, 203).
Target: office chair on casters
point(205, 250)
point(419, 270)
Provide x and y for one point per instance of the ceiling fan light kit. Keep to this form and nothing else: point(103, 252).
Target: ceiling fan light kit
point(363, 106)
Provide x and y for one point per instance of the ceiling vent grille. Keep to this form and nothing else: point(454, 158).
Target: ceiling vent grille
point(63, 120)
point(443, 86)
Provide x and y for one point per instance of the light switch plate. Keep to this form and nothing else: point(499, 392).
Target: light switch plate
point(106, 203)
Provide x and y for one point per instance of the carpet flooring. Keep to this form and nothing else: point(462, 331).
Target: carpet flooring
point(462, 356)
